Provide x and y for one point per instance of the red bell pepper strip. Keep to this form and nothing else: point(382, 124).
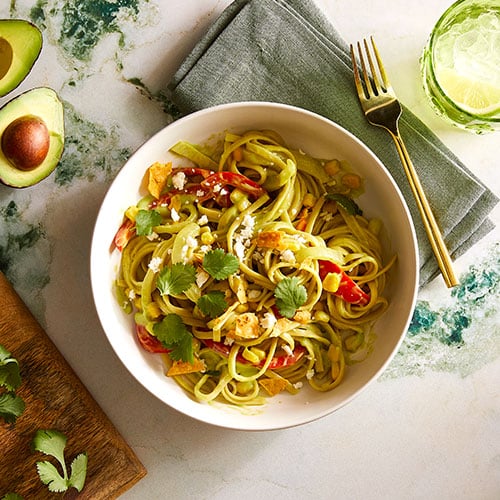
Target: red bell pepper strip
point(348, 289)
point(124, 234)
point(217, 183)
point(149, 342)
point(280, 361)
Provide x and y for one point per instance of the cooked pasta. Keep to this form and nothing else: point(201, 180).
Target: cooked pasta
point(252, 272)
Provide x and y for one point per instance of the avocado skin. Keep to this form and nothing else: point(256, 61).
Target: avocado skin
point(44, 103)
point(25, 40)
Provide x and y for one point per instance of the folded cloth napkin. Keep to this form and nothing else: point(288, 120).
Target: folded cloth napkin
point(287, 51)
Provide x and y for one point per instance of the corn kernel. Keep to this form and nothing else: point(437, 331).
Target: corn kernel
point(352, 181)
point(238, 154)
point(207, 238)
point(332, 167)
point(309, 200)
point(331, 282)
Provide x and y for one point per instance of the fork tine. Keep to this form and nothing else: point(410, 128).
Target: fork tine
point(383, 74)
point(375, 79)
point(357, 78)
point(366, 76)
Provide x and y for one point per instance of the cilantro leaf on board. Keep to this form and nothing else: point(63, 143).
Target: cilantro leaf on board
point(145, 221)
point(52, 442)
point(213, 303)
point(10, 377)
point(174, 335)
point(219, 264)
point(11, 407)
point(176, 279)
point(290, 295)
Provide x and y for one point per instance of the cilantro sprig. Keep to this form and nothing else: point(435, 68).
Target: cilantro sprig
point(174, 335)
point(52, 442)
point(290, 295)
point(176, 279)
point(213, 303)
point(145, 221)
point(219, 264)
point(11, 405)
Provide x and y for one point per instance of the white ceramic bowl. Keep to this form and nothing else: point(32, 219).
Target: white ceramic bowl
point(318, 137)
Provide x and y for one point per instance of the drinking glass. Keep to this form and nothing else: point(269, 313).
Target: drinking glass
point(461, 65)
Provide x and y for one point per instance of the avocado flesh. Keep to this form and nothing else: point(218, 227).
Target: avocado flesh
point(20, 46)
point(44, 103)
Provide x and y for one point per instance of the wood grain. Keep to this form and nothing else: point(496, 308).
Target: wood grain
point(56, 399)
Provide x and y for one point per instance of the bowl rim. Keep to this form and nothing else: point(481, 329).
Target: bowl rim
point(94, 265)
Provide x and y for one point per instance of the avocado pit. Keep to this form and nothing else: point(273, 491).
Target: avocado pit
point(6, 56)
point(25, 142)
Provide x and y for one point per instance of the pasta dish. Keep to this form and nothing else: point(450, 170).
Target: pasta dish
point(251, 270)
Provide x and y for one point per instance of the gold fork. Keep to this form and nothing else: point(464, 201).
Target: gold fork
point(382, 108)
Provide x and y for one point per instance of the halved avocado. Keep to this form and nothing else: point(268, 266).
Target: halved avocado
point(20, 46)
point(31, 137)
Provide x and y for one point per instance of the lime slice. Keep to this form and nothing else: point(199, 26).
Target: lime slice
point(473, 96)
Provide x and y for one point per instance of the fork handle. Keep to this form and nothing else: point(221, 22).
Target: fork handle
point(431, 227)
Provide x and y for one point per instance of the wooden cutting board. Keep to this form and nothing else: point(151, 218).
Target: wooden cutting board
point(56, 399)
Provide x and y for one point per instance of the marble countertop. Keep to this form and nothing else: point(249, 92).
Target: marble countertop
point(428, 428)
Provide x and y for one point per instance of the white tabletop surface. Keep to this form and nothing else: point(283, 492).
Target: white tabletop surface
point(429, 428)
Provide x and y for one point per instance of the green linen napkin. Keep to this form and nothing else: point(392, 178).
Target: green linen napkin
point(287, 51)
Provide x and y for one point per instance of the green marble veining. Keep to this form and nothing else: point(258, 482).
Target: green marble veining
point(460, 336)
point(84, 23)
point(24, 251)
point(90, 150)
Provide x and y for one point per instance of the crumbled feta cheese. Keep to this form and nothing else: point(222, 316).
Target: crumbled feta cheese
point(309, 374)
point(201, 277)
point(154, 264)
point(203, 220)
point(239, 250)
point(253, 294)
point(131, 295)
point(298, 385)
point(268, 320)
point(228, 341)
point(287, 256)
point(153, 236)
point(179, 180)
point(191, 242)
point(175, 216)
point(205, 248)
point(200, 193)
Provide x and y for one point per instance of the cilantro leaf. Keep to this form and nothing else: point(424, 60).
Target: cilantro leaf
point(145, 221)
point(11, 407)
point(50, 476)
point(219, 264)
point(10, 377)
point(290, 295)
point(79, 471)
point(176, 279)
point(213, 303)
point(174, 335)
point(53, 442)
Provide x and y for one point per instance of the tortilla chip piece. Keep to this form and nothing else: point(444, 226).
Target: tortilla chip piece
point(246, 326)
point(273, 386)
point(157, 177)
point(183, 367)
point(270, 239)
